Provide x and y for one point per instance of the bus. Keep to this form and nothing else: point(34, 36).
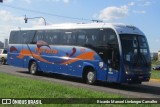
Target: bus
point(106, 52)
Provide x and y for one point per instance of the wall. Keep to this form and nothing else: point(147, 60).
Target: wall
point(159, 56)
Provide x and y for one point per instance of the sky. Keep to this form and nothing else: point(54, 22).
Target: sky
point(144, 14)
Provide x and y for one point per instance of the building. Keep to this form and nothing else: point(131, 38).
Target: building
point(5, 43)
point(154, 56)
point(158, 55)
point(1, 44)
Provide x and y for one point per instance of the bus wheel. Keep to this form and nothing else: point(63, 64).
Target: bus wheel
point(33, 68)
point(90, 77)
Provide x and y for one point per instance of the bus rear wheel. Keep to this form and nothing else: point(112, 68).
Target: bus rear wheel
point(90, 77)
point(33, 68)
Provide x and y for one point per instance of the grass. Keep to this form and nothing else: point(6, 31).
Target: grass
point(155, 74)
point(13, 86)
point(18, 87)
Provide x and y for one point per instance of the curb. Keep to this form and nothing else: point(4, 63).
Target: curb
point(155, 80)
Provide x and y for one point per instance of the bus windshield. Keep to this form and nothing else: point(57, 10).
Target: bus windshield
point(135, 51)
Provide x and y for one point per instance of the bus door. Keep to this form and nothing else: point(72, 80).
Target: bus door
point(112, 56)
point(113, 65)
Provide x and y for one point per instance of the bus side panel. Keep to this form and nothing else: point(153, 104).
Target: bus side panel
point(113, 75)
point(69, 60)
point(75, 69)
point(102, 73)
point(31, 52)
point(28, 55)
point(14, 51)
point(52, 59)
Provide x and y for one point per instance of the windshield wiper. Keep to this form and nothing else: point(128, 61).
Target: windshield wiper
point(144, 60)
point(139, 60)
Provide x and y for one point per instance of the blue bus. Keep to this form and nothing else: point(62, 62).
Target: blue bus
point(116, 53)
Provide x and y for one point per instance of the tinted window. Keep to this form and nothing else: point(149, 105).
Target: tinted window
point(63, 38)
point(27, 36)
point(109, 37)
point(142, 42)
point(135, 49)
point(81, 39)
point(39, 36)
point(15, 37)
point(97, 37)
point(5, 52)
point(67, 38)
point(91, 37)
point(19, 37)
point(51, 37)
point(56, 37)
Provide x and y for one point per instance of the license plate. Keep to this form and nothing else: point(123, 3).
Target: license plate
point(140, 77)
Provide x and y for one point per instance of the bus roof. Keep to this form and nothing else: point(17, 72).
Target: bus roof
point(118, 27)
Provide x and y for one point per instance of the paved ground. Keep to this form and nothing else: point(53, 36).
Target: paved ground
point(145, 90)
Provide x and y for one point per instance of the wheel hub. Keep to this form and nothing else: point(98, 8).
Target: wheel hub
point(90, 76)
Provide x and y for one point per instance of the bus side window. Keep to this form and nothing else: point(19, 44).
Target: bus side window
point(39, 36)
point(54, 39)
point(62, 39)
point(24, 35)
point(51, 37)
point(13, 37)
point(27, 36)
point(46, 36)
point(91, 37)
point(81, 39)
point(70, 38)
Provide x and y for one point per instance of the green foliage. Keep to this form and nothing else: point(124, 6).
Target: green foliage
point(155, 63)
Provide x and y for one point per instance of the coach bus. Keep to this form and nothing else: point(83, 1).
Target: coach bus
point(116, 53)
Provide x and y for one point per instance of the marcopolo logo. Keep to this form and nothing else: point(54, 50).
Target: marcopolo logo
point(6, 101)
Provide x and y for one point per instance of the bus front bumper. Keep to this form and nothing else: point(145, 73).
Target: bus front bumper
point(137, 78)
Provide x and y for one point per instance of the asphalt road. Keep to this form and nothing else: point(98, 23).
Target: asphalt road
point(145, 90)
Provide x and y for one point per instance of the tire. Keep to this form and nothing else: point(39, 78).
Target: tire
point(33, 68)
point(90, 77)
point(3, 61)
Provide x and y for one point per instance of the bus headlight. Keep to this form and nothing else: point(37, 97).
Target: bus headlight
point(101, 64)
point(127, 70)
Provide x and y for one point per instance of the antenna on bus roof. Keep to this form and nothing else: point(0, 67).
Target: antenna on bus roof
point(98, 21)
